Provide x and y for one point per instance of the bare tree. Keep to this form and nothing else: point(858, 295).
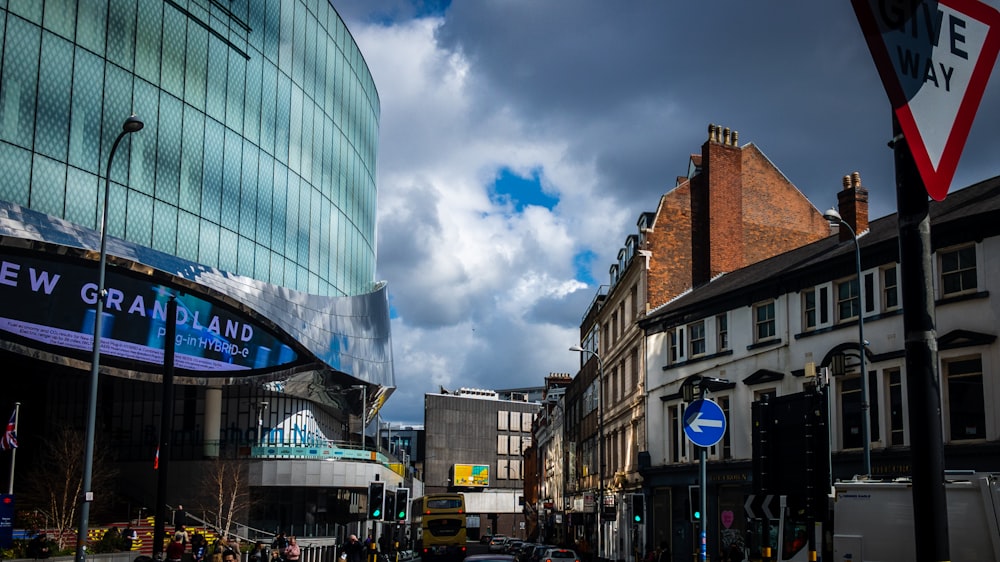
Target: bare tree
point(226, 493)
point(55, 485)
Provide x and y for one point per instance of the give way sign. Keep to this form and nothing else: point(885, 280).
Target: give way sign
point(935, 58)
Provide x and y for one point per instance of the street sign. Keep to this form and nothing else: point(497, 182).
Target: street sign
point(935, 58)
point(704, 423)
point(761, 506)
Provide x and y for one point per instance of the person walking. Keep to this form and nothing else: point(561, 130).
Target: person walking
point(353, 550)
point(292, 551)
point(175, 550)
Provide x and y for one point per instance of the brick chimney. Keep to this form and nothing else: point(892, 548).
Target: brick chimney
point(717, 207)
point(852, 204)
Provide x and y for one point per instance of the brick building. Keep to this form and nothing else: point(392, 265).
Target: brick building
point(732, 209)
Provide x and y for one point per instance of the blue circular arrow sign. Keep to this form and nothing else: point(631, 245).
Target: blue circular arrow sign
point(704, 423)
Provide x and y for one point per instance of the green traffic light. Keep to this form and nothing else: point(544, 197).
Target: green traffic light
point(638, 519)
point(377, 512)
point(697, 515)
point(402, 515)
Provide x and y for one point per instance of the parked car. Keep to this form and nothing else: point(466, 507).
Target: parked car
point(560, 555)
point(485, 539)
point(498, 543)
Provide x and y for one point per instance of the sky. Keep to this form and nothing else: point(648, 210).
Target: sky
point(521, 139)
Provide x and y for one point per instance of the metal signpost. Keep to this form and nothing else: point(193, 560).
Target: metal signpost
point(934, 58)
point(704, 425)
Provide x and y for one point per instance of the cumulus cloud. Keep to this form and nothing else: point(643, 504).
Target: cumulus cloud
point(600, 104)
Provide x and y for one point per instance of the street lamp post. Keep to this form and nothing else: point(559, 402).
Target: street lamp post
point(600, 446)
point(866, 435)
point(131, 125)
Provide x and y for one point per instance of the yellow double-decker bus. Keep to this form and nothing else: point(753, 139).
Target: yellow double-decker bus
point(437, 526)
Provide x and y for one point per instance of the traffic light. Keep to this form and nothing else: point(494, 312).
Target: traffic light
point(638, 508)
point(694, 500)
point(389, 513)
point(402, 503)
point(376, 499)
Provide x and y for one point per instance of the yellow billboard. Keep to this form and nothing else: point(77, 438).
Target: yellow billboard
point(477, 475)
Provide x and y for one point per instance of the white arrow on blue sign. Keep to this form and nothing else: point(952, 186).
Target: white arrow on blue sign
point(704, 423)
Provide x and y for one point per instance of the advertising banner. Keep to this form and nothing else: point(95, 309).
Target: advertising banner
point(52, 303)
point(477, 475)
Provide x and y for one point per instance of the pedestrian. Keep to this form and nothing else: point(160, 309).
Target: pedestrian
point(38, 548)
point(353, 550)
point(292, 551)
point(259, 553)
point(129, 537)
point(175, 550)
point(280, 542)
point(229, 556)
point(199, 547)
point(180, 518)
point(663, 553)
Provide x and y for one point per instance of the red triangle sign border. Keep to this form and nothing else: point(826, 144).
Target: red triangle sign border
point(937, 180)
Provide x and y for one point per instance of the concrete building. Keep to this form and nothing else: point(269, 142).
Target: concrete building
point(249, 195)
point(797, 313)
point(475, 445)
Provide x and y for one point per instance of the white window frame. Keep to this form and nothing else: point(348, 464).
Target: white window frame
point(806, 309)
point(773, 321)
point(694, 340)
point(962, 268)
point(850, 281)
point(887, 289)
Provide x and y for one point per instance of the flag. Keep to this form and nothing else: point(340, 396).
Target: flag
point(9, 440)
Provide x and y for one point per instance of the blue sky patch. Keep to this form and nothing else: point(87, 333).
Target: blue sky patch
point(583, 263)
point(519, 191)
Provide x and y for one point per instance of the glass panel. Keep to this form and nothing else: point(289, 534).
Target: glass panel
point(147, 50)
point(121, 18)
point(91, 18)
point(19, 82)
point(966, 407)
point(850, 406)
point(228, 247)
point(235, 93)
point(53, 112)
point(192, 158)
point(208, 245)
point(196, 66)
point(188, 236)
point(31, 11)
point(248, 190)
point(211, 195)
point(139, 223)
point(85, 124)
point(48, 186)
point(168, 166)
point(895, 408)
point(60, 18)
point(252, 115)
point(244, 259)
point(215, 103)
point(231, 182)
point(172, 60)
point(164, 227)
point(16, 165)
point(142, 144)
point(81, 197)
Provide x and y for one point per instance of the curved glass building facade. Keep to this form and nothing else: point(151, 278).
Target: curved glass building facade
point(248, 197)
point(259, 147)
